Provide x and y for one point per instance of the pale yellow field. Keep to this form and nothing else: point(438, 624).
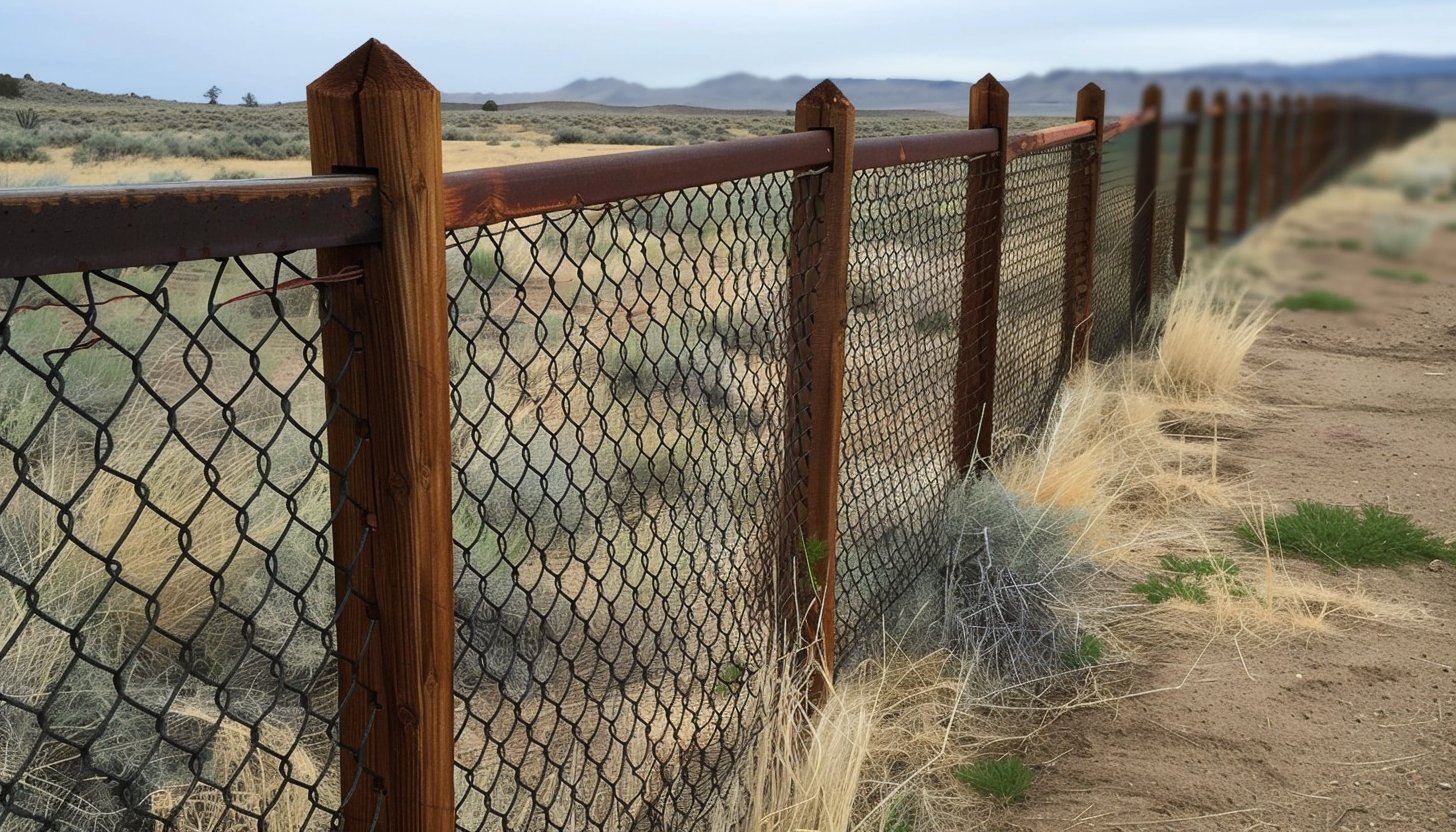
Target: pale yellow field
point(458, 156)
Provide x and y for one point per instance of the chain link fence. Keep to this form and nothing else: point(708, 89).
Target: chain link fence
point(168, 585)
point(619, 382)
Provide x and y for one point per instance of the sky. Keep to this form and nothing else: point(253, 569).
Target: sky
point(177, 49)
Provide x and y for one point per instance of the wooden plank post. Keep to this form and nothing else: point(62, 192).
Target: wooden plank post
point(1298, 160)
point(1145, 209)
point(386, 359)
point(818, 314)
point(1083, 178)
point(1243, 174)
point(1266, 157)
point(1215, 165)
point(1279, 172)
point(1187, 166)
point(975, 380)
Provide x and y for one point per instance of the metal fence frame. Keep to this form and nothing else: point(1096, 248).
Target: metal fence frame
point(374, 113)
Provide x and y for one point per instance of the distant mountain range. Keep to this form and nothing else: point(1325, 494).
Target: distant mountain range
point(1419, 81)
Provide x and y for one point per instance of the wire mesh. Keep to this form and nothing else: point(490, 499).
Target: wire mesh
point(1114, 280)
point(168, 584)
point(906, 266)
point(1032, 346)
point(619, 387)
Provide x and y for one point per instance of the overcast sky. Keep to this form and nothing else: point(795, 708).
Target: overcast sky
point(274, 48)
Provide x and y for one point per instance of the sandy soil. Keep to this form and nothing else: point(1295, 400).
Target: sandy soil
point(1353, 727)
point(458, 156)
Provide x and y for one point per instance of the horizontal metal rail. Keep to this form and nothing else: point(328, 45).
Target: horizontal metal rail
point(54, 230)
point(1128, 122)
point(486, 196)
point(890, 151)
point(1048, 138)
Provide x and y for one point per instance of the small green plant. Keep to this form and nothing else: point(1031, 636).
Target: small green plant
point(730, 675)
point(936, 323)
point(1159, 588)
point(1342, 536)
point(1086, 653)
point(815, 551)
point(899, 817)
point(1201, 567)
point(1349, 244)
point(1317, 299)
point(1401, 276)
point(1005, 780)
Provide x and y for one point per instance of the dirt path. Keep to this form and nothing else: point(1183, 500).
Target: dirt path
point(1353, 727)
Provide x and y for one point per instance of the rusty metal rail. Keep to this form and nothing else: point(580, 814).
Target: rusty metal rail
point(51, 230)
point(486, 196)
point(1129, 122)
point(1049, 138)
point(870, 154)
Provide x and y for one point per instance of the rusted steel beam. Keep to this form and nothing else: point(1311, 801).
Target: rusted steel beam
point(818, 311)
point(1129, 122)
point(486, 196)
point(1244, 165)
point(975, 379)
point(1215, 166)
point(52, 230)
point(1049, 138)
point(1187, 165)
point(889, 151)
point(1084, 173)
point(1145, 205)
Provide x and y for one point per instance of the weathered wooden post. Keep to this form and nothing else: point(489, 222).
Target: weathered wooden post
point(1298, 158)
point(1145, 207)
point(818, 314)
point(1215, 165)
point(1266, 156)
point(1187, 166)
point(1281, 158)
point(386, 360)
point(1243, 173)
point(975, 382)
point(1083, 178)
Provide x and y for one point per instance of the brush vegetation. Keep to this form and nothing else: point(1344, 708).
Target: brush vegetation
point(1005, 780)
point(1317, 299)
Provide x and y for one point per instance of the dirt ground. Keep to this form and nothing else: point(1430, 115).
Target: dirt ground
point(1353, 727)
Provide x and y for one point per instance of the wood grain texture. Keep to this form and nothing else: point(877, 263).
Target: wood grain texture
point(1084, 174)
point(1145, 201)
point(818, 315)
point(975, 379)
point(1187, 166)
point(374, 111)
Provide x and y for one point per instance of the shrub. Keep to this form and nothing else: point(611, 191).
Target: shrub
point(569, 135)
point(1398, 237)
point(21, 147)
point(231, 173)
point(28, 119)
point(490, 106)
point(9, 86)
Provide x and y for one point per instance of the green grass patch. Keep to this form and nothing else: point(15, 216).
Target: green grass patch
point(1349, 244)
point(1313, 276)
point(1342, 536)
point(1202, 567)
point(1317, 299)
point(1006, 779)
point(1401, 276)
point(1313, 243)
point(1156, 589)
point(1450, 226)
point(1086, 653)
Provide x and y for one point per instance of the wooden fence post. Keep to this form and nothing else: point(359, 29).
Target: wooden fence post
point(1298, 160)
point(1266, 157)
point(1278, 172)
point(1187, 163)
point(818, 314)
point(1083, 177)
point(1215, 165)
point(386, 359)
point(975, 382)
point(1145, 208)
point(1243, 173)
